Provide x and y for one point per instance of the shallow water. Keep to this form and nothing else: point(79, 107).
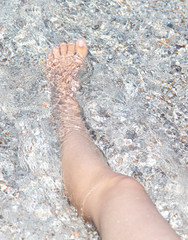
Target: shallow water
point(134, 100)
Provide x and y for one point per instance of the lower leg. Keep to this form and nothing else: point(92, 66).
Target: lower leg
point(83, 166)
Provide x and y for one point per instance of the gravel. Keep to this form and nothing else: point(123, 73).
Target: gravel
point(134, 99)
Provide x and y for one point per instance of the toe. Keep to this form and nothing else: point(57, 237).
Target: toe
point(81, 48)
point(50, 56)
point(56, 52)
point(63, 49)
point(71, 49)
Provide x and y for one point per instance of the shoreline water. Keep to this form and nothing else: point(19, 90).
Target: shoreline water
point(134, 104)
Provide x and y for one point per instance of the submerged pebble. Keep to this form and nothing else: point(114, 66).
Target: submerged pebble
point(133, 98)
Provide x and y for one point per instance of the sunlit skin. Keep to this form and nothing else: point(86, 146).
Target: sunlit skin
point(117, 205)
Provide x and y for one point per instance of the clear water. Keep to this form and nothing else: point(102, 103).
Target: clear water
point(134, 99)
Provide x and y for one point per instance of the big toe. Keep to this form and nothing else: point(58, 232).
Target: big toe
point(81, 48)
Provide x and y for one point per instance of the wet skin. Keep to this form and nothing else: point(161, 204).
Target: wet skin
point(116, 204)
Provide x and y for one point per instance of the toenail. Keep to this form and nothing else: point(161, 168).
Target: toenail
point(80, 43)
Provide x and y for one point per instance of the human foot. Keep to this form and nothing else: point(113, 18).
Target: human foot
point(63, 65)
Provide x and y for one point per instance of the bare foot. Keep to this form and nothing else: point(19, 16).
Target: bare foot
point(63, 65)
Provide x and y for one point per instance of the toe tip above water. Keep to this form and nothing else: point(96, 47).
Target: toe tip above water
point(81, 48)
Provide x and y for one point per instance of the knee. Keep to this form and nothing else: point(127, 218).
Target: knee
point(120, 181)
point(114, 188)
point(111, 187)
